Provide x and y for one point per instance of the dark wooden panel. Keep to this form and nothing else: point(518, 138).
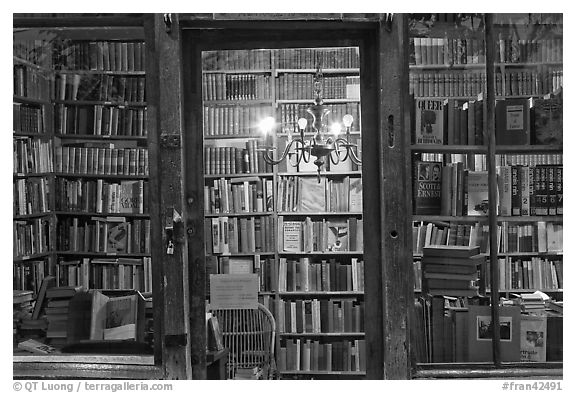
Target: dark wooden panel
point(168, 159)
point(83, 370)
point(396, 237)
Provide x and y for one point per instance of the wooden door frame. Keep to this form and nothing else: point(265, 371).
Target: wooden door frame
point(389, 274)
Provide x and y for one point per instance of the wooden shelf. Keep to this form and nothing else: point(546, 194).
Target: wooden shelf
point(101, 176)
point(29, 100)
point(234, 175)
point(335, 334)
point(475, 66)
point(233, 136)
point(322, 253)
point(242, 214)
point(104, 103)
point(101, 72)
point(449, 149)
point(83, 213)
point(310, 101)
point(473, 219)
point(245, 254)
point(239, 102)
point(325, 71)
point(102, 254)
point(321, 293)
point(26, 175)
point(243, 71)
point(343, 373)
point(32, 216)
point(319, 214)
point(100, 137)
point(327, 174)
point(30, 134)
point(31, 257)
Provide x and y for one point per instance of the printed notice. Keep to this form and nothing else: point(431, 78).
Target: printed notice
point(233, 291)
point(515, 117)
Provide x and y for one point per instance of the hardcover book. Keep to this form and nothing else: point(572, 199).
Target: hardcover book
point(513, 122)
point(547, 121)
point(292, 236)
point(429, 128)
point(477, 193)
point(533, 338)
point(312, 194)
point(427, 187)
point(117, 318)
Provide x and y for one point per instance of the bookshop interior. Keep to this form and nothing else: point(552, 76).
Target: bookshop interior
point(190, 190)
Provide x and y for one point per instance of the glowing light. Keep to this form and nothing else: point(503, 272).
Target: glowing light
point(335, 128)
point(347, 120)
point(302, 123)
point(266, 125)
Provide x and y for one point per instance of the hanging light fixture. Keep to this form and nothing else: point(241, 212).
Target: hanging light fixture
point(298, 149)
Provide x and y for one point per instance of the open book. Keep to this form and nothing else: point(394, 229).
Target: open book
point(117, 318)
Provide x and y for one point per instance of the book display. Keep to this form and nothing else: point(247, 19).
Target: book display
point(300, 232)
point(451, 161)
point(81, 169)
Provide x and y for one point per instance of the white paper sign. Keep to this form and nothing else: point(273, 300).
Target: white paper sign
point(233, 291)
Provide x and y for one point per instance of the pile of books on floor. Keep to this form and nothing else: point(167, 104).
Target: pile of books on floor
point(21, 308)
point(452, 270)
point(58, 300)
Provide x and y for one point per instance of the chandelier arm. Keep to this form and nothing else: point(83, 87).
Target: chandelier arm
point(354, 157)
point(270, 160)
point(341, 142)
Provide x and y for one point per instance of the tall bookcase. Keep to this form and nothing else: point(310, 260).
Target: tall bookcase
point(275, 220)
point(450, 135)
point(80, 161)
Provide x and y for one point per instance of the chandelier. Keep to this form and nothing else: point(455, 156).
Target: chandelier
point(319, 148)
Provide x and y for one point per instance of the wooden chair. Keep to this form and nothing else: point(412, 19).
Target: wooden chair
point(250, 336)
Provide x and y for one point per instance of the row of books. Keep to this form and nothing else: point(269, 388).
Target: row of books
point(530, 160)
point(28, 275)
point(307, 194)
point(448, 51)
point(31, 155)
point(100, 120)
point(31, 83)
point(33, 51)
point(233, 235)
point(469, 84)
point(326, 58)
point(99, 55)
point(308, 275)
point(28, 118)
point(85, 159)
point(236, 60)
point(516, 50)
point(290, 113)
point(477, 162)
point(449, 121)
point(542, 273)
point(30, 237)
point(264, 267)
point(530, 190)
point(238, 195)
point(321, 316)
point(85, 87)
point(99, 196)
point(234, 120)
point(103, 234)
point(534, 237)
point(105, 273)
point(235, 159)
point(235, 87)
point(454, 191)
point(314, 355)
point(325, 235)
point(30, 196)
point(447, 333)
point(531, 237)
point(301, 87)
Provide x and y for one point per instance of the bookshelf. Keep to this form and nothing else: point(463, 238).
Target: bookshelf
point(252, 199)
point(452, 159)
point(81, 167)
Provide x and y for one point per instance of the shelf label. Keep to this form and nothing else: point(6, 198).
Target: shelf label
point(233, 291)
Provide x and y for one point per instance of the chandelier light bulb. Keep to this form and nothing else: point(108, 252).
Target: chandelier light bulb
point(302, 123)
point(335, 128)
point(266, 125)
point(347, 120)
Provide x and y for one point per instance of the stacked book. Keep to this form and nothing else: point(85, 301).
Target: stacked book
point(452, 270)
point(21, 308)
point(530, 302)
point(57, 313)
